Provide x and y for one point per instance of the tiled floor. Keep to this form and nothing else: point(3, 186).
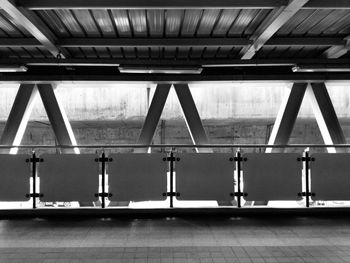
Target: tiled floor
point(176, 240)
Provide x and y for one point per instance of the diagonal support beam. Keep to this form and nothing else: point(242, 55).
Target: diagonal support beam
point(18, 119)
point(33, 25)
point(58, 118)
point(277, 18)
point(193, 121)
point(326, 116)
point(337, 51)
point(286, 117)
point(153, 116)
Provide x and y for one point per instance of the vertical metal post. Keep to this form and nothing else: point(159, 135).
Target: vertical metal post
point(307, 190)
point(34, 179)
point(238, 155)
point(103, 174)
point(171, 179)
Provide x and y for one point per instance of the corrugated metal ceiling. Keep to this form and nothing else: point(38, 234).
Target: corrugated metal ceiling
point(174, 23)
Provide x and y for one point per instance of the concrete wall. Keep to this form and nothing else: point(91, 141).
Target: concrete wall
point(214, 101)
point(247, 131)
point(231, 113)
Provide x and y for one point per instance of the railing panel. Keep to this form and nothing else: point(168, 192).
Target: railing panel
point(330, 176)
point(69, 177)
point(137, 177)
point(205, 176)
point(272, 176)
point(14, 177)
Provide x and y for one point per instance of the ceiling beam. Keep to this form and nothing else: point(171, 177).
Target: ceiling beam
point(169, 78)
point(178, 62)
point(149, 4)
point(327, 4)
point(276, 19)
point(175, 4)
point(338, 51)
point(33, 25)
point(175, 42)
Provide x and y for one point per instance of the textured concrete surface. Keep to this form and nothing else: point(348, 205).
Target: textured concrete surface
point(214, 101)
point(176, 240)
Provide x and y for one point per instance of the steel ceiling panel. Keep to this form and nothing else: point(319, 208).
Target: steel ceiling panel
point(169, 53)
point(294, 22)
point(155, 19)
point(183, 52)
point(21, 52)
point(85, 19)
point(45, 52)
point(278, 52)
point(53, 22)
point(327, 22)
point(173, 20)
point(210, 52)
point(316, 22)
point(122, 22)
point(264, 52)
point(288, 52)
point(224, 22)
point(129, 52)
point(207, 22)
point(243, 20)
point(196, 52)
point(310, 52)
point(70, 22)
point(102, 52)
point(104, 22)
point(75, 52)
point(310, 21)
point(18, 26)
point(7, 53)
point(223, 52)
point(292, 51)
point(7, 27)
point(190, 22)
point(34, 52)
point(138, 22)
point(156, 52)
point(89, 52)
point(143, 52)
point(260, 16)
point(235, 53)
point(340, 24)
point(116, 52)
point(346, 30)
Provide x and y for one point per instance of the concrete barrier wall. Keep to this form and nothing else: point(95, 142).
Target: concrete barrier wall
point(214, 101)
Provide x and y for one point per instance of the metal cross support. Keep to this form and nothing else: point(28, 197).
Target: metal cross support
point(307, 192)
point(34, 160)
point(103, 195)
point(171, 159)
